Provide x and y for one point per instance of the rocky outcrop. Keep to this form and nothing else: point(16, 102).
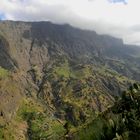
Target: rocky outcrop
point(25, 44)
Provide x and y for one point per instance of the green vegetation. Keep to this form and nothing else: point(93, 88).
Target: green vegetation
point(40, 125)
point(3, 72)
point(63, 70)
point(80, 91)
point(6, 133)
point(120, 122)
point(72, 96)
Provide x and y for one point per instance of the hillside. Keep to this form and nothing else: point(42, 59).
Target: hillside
point(120, 122)
point(55, 79)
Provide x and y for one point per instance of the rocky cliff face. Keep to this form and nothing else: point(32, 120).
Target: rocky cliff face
point(33, 44)
point(61, 73)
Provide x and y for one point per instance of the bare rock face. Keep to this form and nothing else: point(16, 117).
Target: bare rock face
point(5, 58)
point(24, 45)
point(10, 98)
point(21, 52)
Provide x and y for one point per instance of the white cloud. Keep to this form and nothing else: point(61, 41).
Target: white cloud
point(108, 18)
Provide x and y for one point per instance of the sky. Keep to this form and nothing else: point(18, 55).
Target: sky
point(119, 18)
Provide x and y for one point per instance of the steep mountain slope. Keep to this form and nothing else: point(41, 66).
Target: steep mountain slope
point(120, 122)
point(57, 78)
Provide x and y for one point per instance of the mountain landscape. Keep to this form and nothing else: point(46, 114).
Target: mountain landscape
point(59, 81)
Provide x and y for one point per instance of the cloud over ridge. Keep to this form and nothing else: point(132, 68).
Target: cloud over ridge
point(102, 16)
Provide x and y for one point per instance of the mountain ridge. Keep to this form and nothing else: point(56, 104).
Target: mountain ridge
point(61, 73)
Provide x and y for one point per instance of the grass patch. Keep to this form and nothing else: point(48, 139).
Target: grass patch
point(3, 72)
point(63, 69)
point(40, 125)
